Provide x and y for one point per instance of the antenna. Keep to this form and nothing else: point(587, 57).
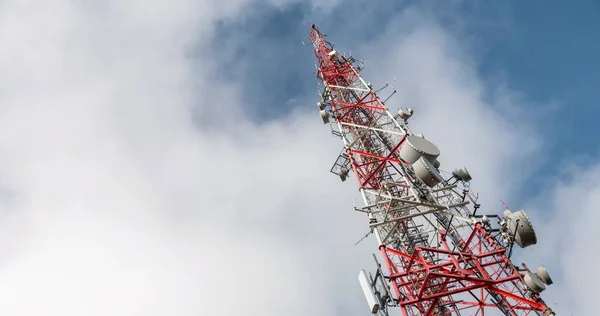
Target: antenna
point(505, 206)
point(439, 257)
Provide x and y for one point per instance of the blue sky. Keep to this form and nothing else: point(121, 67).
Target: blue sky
point(550, 55)
point(543, 50)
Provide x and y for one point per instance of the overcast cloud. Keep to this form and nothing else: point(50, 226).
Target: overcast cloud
point(115, 202)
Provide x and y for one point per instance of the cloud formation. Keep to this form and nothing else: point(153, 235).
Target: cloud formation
point(115, 202)
point(565, 215)
point(435, 77)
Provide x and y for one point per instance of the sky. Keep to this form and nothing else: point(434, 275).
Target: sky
point(167, 158)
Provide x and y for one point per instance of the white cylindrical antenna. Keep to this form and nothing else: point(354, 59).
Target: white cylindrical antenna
point(543, 274)
point(415, 147)
point(462, 174)
point(324, 116)
point(518, 223)
point(368, 292)
point(534, 283)
point(405, 113)
point(426, 172)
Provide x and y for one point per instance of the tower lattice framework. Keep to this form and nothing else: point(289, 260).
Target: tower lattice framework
point(438, 256)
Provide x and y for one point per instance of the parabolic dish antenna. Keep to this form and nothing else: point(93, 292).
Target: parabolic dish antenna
point(426, 172)
point(533, 282)
point(462, 174)
point(544, 275)
point(519, 222)
point(415, 147)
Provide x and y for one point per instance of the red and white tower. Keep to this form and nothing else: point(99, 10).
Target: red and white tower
point(439, 257)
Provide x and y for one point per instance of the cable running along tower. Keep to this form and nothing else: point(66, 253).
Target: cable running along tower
point(439, 256)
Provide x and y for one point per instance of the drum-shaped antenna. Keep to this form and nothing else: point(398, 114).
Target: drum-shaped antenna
point(544, 275)
point(426, 172)
point(525, 234)
point(415, 147)
point(462, 174)
point(436, 164)
point(405, 113)
point(533, 282)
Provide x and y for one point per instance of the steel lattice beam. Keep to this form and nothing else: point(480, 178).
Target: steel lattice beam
point(457, 264)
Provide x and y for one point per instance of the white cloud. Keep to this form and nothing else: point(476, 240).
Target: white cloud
point(435, 77)
point(118, 205)
point(115, 202)
point(565, 217)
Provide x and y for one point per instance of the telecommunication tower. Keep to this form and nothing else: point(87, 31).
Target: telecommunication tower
point(440, 257)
